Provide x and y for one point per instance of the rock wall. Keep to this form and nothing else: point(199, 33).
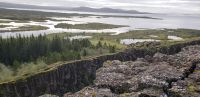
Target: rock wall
point(151, 76)
point(73, 76)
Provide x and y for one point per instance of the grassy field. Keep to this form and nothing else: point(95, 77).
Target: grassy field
point(96, 37)
point(31, 27)
point(3, 26)
point(5, 21)
point(162, 34)
point(26, 28)
point(186, 34)
point(89, 26)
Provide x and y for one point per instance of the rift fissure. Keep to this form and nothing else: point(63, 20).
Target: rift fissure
point(71, 77)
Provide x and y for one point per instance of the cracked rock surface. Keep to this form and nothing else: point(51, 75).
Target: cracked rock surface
point(152, 76)
point(190, 87)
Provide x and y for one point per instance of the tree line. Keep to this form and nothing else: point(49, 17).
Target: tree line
point(14, 51)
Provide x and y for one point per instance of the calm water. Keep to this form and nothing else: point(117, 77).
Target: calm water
point(166, 21)
point(133, 41)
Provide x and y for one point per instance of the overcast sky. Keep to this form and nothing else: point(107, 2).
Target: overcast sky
point(170, 6)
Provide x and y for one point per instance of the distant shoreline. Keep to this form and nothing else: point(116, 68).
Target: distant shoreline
point(77, 13)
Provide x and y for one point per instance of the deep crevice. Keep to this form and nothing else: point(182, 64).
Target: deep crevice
point(185, 75)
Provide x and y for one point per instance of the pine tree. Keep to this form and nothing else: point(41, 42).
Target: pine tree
point(25, 49)
point(99, 45)
point(112, 49)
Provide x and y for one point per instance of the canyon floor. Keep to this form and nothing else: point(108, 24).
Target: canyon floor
point(161, 75)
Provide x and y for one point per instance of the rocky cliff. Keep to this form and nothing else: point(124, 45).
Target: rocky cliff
point(73, 76)
point(175, 75)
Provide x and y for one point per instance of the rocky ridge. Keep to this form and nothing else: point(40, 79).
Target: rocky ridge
point(74, 76)
point(174, 75)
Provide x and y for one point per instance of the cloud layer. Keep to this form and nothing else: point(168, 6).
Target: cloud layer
point(169, 6)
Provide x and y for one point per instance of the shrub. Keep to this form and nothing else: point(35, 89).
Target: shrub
point(6, 73)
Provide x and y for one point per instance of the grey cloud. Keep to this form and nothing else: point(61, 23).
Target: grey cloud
point(186, 6)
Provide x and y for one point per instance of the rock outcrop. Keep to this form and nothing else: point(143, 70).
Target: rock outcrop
point(153, 76)
point(73, 76)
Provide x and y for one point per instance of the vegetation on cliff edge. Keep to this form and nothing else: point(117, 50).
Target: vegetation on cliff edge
point(27, 55)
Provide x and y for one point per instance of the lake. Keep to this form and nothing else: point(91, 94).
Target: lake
point(170, 21)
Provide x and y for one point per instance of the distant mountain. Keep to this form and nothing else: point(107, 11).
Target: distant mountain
point(80, 9)
point(105, 10)
point(26, 6)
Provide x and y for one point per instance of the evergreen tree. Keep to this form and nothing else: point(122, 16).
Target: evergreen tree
point(112, 49)
point(99, 45)
point(105, 45)
point(14, 51)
